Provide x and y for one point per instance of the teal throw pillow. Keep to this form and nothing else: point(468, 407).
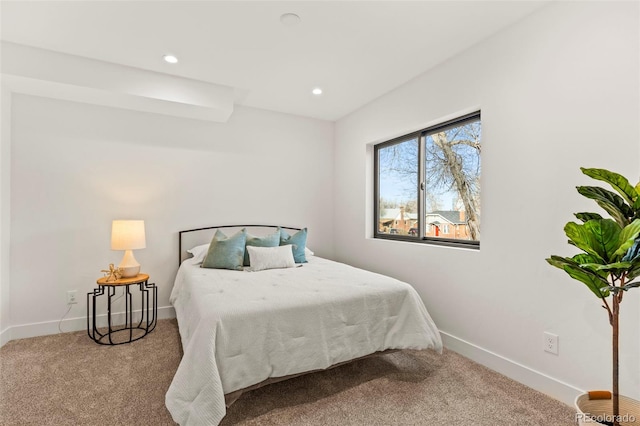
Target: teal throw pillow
point(271, 240)
point(298, 241)
point(226, 252)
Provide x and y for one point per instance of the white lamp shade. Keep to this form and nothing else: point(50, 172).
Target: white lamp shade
point(127, 235)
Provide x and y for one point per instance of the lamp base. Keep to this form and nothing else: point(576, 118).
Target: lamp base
point(129, 264)
point(130, 271)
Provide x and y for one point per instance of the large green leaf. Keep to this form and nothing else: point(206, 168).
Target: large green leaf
point(611, 202)
point(636, 207)
point(591, 280)
point(633, 253)
point(587, 261)
point(598, 237)
point(583, 258)
point(585, 216)
point(611, 267)
point(634, 272)
point(595, 282)
point(629, 286)
point(617, 182)
point(627, 238)
point(581, 238)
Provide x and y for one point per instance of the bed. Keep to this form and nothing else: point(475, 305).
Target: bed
point(240, 330)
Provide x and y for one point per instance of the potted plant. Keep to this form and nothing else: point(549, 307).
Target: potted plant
point(608, 264)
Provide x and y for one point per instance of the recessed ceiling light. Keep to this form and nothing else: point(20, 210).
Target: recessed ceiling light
point(289, 19)
point(170, 59)
point(317, 91)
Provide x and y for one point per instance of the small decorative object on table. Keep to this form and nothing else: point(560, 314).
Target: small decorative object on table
point(113, 273)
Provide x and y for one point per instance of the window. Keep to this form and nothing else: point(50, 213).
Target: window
point(427, 184)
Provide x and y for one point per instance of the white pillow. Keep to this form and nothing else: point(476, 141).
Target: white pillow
point(199, 253)
point(261, 258)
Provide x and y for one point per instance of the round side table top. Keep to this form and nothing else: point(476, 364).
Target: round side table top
point(124, 281)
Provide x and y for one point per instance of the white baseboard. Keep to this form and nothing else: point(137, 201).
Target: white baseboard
point(5, 336)
point(72, 324)
point(541, 382)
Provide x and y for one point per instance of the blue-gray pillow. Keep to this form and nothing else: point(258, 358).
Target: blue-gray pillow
point(298, 241)
point(271, 240)
point(226, 252)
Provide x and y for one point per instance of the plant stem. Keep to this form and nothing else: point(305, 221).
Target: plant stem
point(616, 402)
point(606, 306)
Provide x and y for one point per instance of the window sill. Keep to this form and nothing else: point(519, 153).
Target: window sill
point(429, 242)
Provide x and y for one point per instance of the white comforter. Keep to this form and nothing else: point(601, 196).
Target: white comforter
point(239, 328)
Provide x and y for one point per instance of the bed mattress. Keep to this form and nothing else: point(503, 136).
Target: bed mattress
point(240, 328)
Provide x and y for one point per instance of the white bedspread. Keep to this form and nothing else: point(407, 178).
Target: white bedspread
point(239, 328)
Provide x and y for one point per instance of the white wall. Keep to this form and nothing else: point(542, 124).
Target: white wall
point(5, 161)
point(557, 91)
point(76, 167)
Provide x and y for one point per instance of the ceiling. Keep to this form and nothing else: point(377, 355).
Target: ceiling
point(354, 50)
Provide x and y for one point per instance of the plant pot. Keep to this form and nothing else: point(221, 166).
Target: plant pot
point(602, 410)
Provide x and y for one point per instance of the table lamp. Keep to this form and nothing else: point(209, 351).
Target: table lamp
point(128, 235)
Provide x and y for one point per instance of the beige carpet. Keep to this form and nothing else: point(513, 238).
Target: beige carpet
point(67, 379)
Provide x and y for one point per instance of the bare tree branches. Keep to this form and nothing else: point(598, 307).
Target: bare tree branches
point(452, 169)
point(472, 144)
point(451, 172)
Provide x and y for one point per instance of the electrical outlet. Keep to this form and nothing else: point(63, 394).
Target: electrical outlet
point(551, 343)
point(72, 297)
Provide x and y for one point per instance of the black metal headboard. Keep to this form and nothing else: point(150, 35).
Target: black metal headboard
point(204, 235)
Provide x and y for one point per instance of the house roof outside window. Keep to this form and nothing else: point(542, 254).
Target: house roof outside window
point(395, 214)
point(445, 216)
